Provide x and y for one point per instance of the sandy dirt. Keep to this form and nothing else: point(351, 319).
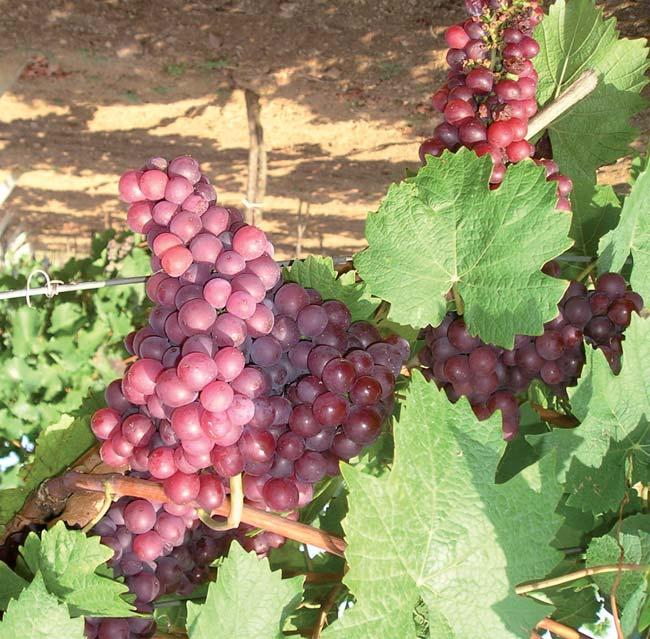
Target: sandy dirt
point(345, 86)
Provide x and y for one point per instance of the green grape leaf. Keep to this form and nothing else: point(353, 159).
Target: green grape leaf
point(11, 585)
point(36, 614)
point(62, 443)
point(26, 330)
point(632, 611)
point(596, 210)
point(610, 407)
point(575, 607)
point(65, 318)
point(11, 501)
point(632, 235)
point(644, 615)
point(595, 131)
point(247, 600)
point(67, 560)
point(438, 527)
point(601, 489)
point(576, 526)
point(318, 272)
point(445, 227)
point(634, 537)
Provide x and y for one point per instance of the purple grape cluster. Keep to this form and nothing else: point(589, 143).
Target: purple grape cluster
point(492, 377)
point(236, 373)
point(183, 565)
point(489, 95)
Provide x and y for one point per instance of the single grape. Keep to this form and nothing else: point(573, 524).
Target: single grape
point(257, 445)
point(227, 461)
point(550, 345)
point(104, 421)
point(161, 463)
point(280, 494)
point(330, 409)
point(456, 37)
point(303, 421)
point(211, 492)
point(148, 546)
point(338, 375)
point(182, 488)
point(363, 424)
point(600, 329)
point(310, 467)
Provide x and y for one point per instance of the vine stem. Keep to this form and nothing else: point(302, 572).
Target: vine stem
point(106, 504)
point(153, 491)
point(236, 508)
point(324, 610)
point(523, 589)
point(562, 631)
point(580, 89)
point(586, 271)
point(555, 418)
point(460, 307)
point(617, 579)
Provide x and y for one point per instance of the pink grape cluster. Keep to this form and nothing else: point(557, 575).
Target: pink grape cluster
point(491, 377)
point(489, 95)
point(237, 372)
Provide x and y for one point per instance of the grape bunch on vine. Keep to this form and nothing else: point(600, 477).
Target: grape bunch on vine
point(456, 422)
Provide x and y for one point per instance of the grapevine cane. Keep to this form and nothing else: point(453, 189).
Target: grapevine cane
point(523, 589)
point(153, 491)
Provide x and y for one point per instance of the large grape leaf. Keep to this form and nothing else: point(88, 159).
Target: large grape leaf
point(36, 614)
point(597, 210)
point(68, 560)
point(318, 272)
point(633, 536)
point(611, 408)
point(26, 324)
point(632, 235)
point(11, 501)
point(247, 600)
point(603, 488)
point(444, 227)
point(11, 585)
point(438, 527)
point(596, 131)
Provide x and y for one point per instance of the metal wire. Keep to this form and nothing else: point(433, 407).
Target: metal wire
point(55, 287)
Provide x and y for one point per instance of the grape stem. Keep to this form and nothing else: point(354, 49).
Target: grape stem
point(106, 504)
point(153, 491)
point(586, 271)
point(236, 508)
point(562, 631)
point(581, 88)
point(553, 417)
point(523, 589)
point(324, 611)
point(460, 307)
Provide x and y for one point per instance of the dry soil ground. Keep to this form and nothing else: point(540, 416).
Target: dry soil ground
point(345, 85)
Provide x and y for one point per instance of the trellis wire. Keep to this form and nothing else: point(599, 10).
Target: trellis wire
point(55, 287)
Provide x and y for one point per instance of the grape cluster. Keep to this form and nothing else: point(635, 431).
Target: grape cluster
point(492, 377)
point(236, 373)
point(489, 95)
point(184, 565)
